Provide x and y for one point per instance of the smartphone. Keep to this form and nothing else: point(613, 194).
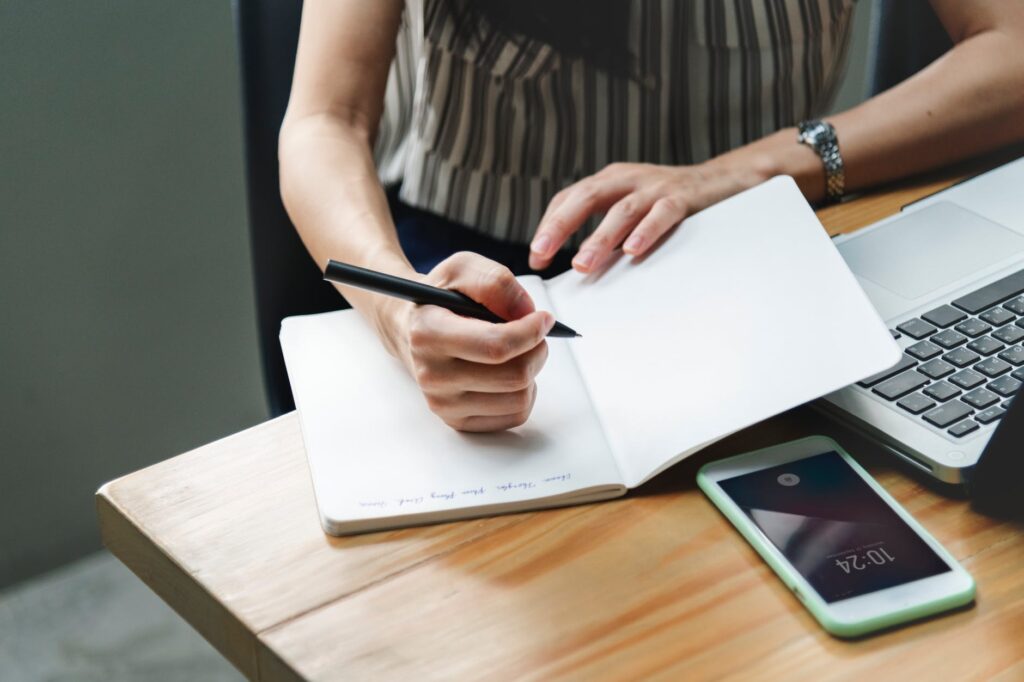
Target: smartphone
point(855, 558)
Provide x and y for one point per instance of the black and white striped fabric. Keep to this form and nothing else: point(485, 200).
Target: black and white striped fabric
point(484, 130)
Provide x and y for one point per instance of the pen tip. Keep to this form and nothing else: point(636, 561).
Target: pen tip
point(579, 336)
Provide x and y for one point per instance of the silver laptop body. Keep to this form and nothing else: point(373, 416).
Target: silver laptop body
point(953, 258)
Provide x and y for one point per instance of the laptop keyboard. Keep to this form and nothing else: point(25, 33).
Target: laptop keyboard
point(964, 362)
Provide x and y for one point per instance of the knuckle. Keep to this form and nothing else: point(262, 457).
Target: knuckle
point(600, 240)
point(673, 203)
point(628, 208)
point(436, 403)
point(561, 195)
point(457, 423)
point(518, 419)
point(418, 334)
point(426, 377)
point(499, 277)
point(461, 258)
point(520, 377)
point(589, 194)
point(558, 226)
point(523, 400)
point(496, 347)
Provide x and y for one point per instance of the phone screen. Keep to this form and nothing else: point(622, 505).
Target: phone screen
point(834, 529)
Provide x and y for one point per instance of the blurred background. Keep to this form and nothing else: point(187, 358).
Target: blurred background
point(127, 328)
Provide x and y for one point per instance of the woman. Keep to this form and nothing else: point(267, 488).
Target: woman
point(532, 134)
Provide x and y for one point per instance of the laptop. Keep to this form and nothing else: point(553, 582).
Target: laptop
point(947, 276)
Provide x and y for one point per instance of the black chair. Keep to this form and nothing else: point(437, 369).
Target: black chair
point(906, 36)
point(287, 282)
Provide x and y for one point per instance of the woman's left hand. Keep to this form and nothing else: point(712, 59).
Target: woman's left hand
point(641, 203)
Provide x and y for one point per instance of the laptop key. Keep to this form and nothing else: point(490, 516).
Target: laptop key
point(943, 316)
point(942, 391)
point(1010, 334)
point(993, 367)
point(1007, 403)
point(1014, 355)
point(1005, 386)
point(985, 345)
point(980, 398)
point(948, 338)
point(973, 327)
point(895, 334)
point(944, 415)
point(924, 350)
point(967, 379)
point(1018, 374)
point(936, 369)
point(906, 362)
point(964, 427)
point(1016, 305)
point(961, 357)
point(915, 403)
point(997, 317)
point(916, 328)
point(991, 294)
point(900, 385)
point(990, 415)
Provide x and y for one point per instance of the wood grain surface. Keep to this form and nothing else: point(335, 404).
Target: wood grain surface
point(655, 585)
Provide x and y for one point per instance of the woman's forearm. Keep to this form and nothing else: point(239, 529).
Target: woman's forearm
point(969, 101)
point(330, 188)
point(328, 178)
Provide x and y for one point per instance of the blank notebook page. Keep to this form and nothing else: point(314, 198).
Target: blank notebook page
point(745, 311)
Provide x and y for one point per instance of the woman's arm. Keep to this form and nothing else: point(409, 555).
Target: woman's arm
point(475, 375)
point(969, 101)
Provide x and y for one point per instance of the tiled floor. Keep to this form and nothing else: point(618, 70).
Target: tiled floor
point(95, 621)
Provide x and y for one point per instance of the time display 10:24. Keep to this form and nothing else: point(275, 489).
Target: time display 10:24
point(858, 562)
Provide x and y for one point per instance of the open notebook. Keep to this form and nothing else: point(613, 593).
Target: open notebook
point(746, 311)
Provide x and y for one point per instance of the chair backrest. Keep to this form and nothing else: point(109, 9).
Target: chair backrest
point(287, 282)
point(906, 36)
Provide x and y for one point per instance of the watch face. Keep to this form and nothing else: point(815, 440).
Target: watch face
point(814, 135)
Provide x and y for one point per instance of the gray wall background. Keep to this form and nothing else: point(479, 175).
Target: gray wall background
point(127, 332)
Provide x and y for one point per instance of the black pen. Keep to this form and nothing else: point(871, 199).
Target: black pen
point(422, 294)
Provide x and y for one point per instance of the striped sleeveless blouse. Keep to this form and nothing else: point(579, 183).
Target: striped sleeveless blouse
point(484, 130)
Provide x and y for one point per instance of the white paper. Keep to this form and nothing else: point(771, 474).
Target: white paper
point(745, 311)
point(376, 450)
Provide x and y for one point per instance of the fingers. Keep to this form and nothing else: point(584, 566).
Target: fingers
point(484, 281)
point(454, 375)
point(617, 224)
point(570, 209)
point(477, 375)
point(458, 408)
point(665, 214)
point(479, 396)
point(439, 332)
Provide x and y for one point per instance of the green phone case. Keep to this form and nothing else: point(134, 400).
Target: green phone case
point(796, 582)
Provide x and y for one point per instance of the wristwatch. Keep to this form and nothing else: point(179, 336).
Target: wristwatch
point(821, 137)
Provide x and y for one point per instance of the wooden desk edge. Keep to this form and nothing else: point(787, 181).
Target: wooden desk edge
point(179, 589)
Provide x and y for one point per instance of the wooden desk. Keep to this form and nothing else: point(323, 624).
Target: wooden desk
point(657, 584)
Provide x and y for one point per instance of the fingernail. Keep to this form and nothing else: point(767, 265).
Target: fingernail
point(633, 244)
point(584, 259)
point(541, 245)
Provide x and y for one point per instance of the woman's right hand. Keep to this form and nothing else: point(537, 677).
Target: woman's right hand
point(475, 375)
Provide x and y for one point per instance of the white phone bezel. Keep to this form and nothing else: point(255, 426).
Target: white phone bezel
point(866, 607)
